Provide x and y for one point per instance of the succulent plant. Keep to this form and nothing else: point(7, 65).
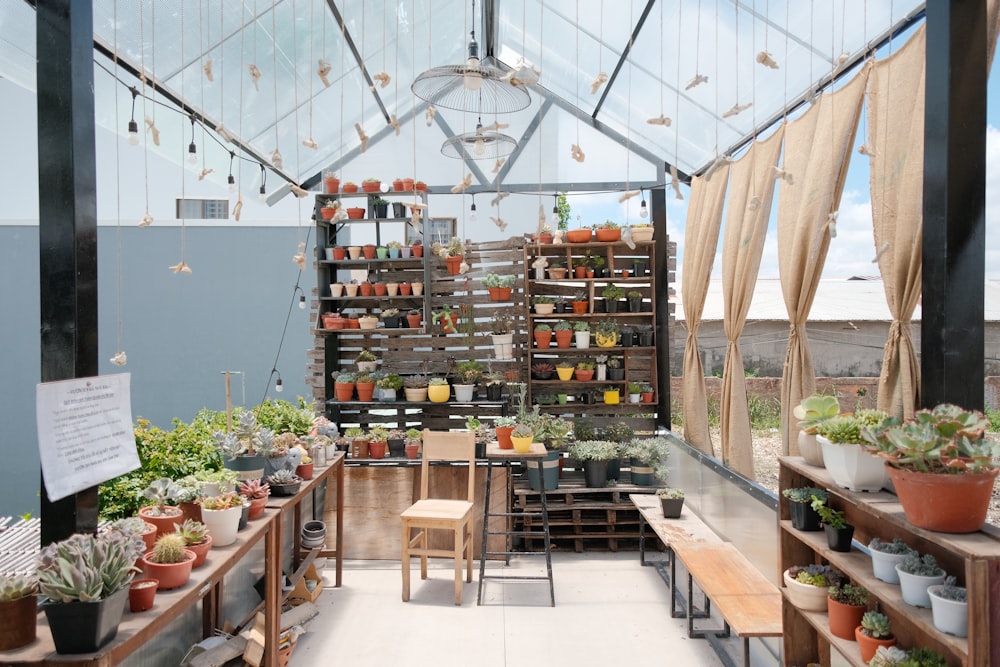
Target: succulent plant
point(255, 489)
point(921, 566)
point(223, 501)
point(378, 434)
point(192, 532)
point(897, 547)
point(949, 591)
point(522, 431)
point(849, 594)
point(804, 494)
point(169, 548)
point(670, 493)
point(814, 410)
point(17, 586)
point(542, 367)
point(562, 325)
point(887, 656)
point(87, 568)
point(816, 575)
point(876, 625)
point(618, 432)
point(581, 326)
point(593, 450)
point(283, 476)
point(162, 492)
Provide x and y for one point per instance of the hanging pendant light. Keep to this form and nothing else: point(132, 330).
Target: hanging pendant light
point(459, 87)
point(479, 145)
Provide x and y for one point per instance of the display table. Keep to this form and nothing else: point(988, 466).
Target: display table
point(205, 586)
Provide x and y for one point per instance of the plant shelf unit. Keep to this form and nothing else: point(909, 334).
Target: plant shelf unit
point(974, 559)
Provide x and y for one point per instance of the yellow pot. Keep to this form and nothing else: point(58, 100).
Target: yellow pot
point(438, 393)
point(565, 373)
point(605, 340)
point(612, 397)
point(522, 445)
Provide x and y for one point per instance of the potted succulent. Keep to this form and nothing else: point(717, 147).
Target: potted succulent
point(594, 455)
point(350, 187)
point(239, 447)
point(396, 441)
point(949, 607)
point(557, 271)
point(608, 231)
point(612, 295)
point(161, 513)
point(521, 437)
point(580, 302)
point(941, 465)
point(257, 491)
point(806, 585)
point(284, 483)
point(646, 393)
point(812, 411)
point(364, 384)
point(634, 298)
point(499, 286)
point(18, 609)
point(390, 318)
point(543, 304)
point(803, 514)
point(839, 533)
point(414, 318)
point(367, 361)
point(415, 388)
point(848, 463)
point(612, 395)
point(885, 556)
point(543, 336)
point(494, 381)
point(197, 539)
point(584, 371)
point(601, 367)
point(671, 501)
point(412, 443)
point(141, 593)
point(388, 386)
point(327, 212)
point(616, 372)
point(343, 386)
point(438, 390)
point(544, 234)
point(394, 248)
point(542, 370)
point(562, 331)
point(648, 460)
point(503, 427)
point(916, 575)
point(606, 334)
point(447, 318)
point(875, 630)
point(890, 656)
point(581, 334)
point(359, 442)
point(634, 390)
point(502, 337)
point(378, 208)
point(221, 514)
point(641, 232)
point(331, 184)
point(453, 254)
point(846, 605)
point(169, 562)
point(565, 369)
point(378, 437)
point(85, 580)
point(371, 184)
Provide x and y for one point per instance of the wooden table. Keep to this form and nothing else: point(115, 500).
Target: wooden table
point(505, 457)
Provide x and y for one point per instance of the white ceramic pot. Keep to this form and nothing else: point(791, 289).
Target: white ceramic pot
point(914, 587)
point(222, 524)
point(582, 339)
point(805, 596)
point(949, 616)
point(503, 346)
point(852, 467)
point(464, 392)
point(884, 565)
point(810, 449)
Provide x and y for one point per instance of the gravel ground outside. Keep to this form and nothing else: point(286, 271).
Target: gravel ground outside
point(767, 449)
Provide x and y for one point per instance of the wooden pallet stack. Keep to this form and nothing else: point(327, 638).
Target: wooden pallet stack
point(581, 518)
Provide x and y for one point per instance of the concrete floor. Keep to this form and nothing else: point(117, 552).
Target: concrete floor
point(609, 611)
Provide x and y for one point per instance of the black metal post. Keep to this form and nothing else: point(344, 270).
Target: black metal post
point(67, 230)
point(952, 338)
point(661, 256)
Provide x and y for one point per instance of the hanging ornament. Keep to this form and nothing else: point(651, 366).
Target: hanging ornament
point(394, 124)
point(361, 135)
point(146, 220)
point(383, 79)
point(429, 115)
point(462, 185)
point(627, 195)
point(207, 68)
point(238, 208)
point(783, 175)
point(180, 267)
point(120, 358)
point(310, 143)
point(499, 163)
point(495, 126)
point(499, 198)
point(596, 84)
point(323, 70)
point(276, 158)
point(254, 75)
point(765, 59)
point(300, 257)
point(298, 191)
point(501, 225)
point(659, 120)
point(696, 80)
point(153, 130)
point(205, 172)
point(675, 182)
point(737, 109)
point(576, 153)
point(224, 133)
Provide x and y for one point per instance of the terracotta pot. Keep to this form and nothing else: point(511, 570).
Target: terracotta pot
point(503, 437)
point(200, 551)
point(418, 250)
point(545, 238)
point(578, 235)
point(376, 450)
point(369, 251)
point(141, 593)
point(170, 575)
point(500, 293)
point(380, 289)
point(580, 271)
point(191, 511)
point(869, 645)
point(647, 397)
point(350, 188)
point(344, 391)
point(584, 375)
point(339, 252)
point(19, 620)
point(420, 186)
point(844, 618)
point(397, 185)
point(543, 339)
point(608, 235)
point(365, 390)
point(564, 337)
point(257, 506)
point(453, 264)
point(405, 289)
point(164, 524)
point(331, 185)
point(371, 186)
point(414, 321)
point(354, 251)
point(355, 213)
point(449, 324)
point(944, 503)
point(412, 451)
point(557, 274)
point(418, 288)
point(580, 307)
point(353, 322)
point(304, 470)
point(327, 213)
point(407, 185)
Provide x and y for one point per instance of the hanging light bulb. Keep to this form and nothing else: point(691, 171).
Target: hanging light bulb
point(302, 302)
point(278, 386)
point(263, 184)
point(133, 127)
point(555, 213)
point(472, 79)
point(231, 180)
point(643, 210)
point(192, 148)
point(472, 211)
point(479, 148)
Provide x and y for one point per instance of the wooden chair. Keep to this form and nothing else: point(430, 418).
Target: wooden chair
point(439, 513)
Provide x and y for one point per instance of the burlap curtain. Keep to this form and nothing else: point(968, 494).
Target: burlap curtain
point(817, 153)
point(896, 139)
point(747, 214)
point(701, 238)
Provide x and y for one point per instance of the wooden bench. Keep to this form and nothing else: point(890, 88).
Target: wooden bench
point(750, 605)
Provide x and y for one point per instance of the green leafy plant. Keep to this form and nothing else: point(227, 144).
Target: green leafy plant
point(634, 388)
point(815, 409)
point(378, 434)
point(921, 657)
point(618, 432)
point(669, 492)
point(804, 494)
point(827, 515)
point(593, 450)
point(390, 381)
point(562, 325)
point(849, 594)
point(585, 365)
point(469, 372)
point(495, 280)
point(613, 292)
point(542, 299)
point(652, 452)
point(608, 327)
point(543, 327)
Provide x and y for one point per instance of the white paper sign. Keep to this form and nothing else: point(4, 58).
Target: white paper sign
point(84, 432)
